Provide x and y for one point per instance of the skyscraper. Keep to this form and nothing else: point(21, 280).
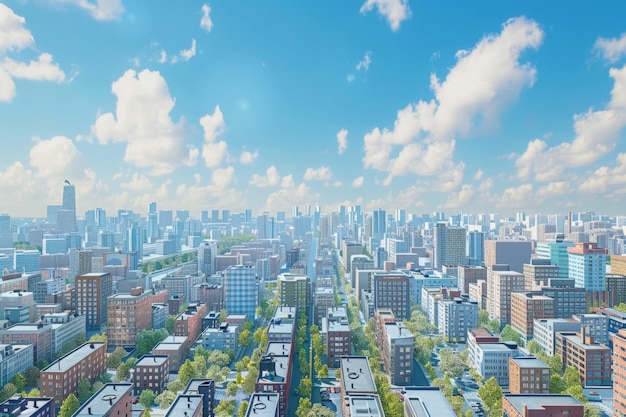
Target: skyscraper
point(66, 216)
point(69, 197)
point(475, 248)
point(587, 266)
point(207, 257)
point(240, 290)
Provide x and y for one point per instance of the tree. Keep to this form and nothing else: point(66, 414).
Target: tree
point(592, 410)
point(557, 385)
point(169, 324)
point(318, 410)
point(231, 389)
point(571, 376)
point(145, 413)
point(199, 365)
point(97, 385)
point(146, 340)
point(323, 373)
point(19, 381)
point(186, 372)
point(146, 398)
point(491, 393)
point(451, 363)
point(218, 358)
point(98, 338)
point(115, 358)
point(304, 406)
point(226, 408)
point(243, 409)
point(34, 393)
point(305, 387)
point(249, 382)
point(69, 407)
point(83, 390)
point(123, 372)
point(165, 399)
point(534, 347)
point(223, 315)
point(245, 338)
point(317, 364)
point(175, 386)
point(509, 334)
point(555, 362)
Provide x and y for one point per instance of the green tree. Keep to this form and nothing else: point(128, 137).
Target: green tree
point(42, 363)
point(69, 407)
point(145, 413)
point(199, 366)
point(146, 340)
point(591, 410)
point(491, 393)
point(318, 410)
point(555, 362)
point(305, 387)
point(186, 372)
point(98, 338)
point(123, 372)
point(451, 363)
point(34, 393)
point(534, 347)
point(115, 358)
point(165, 399)
point(97, 385)
point(83, 391)
point(19, 381)
point(218, 358)
point(258, 333)
point(557, 385)
point(245, 338)
point(323, 373)
point(304, 406)
point(249, 382)
point(571, 376)
point(243, 409)
point(231, 389)
point(223, 315)
point(577, 392)
point(509, 334)
point(169, 324)
point(226, 408)
point(146, 398)
point(175, 386)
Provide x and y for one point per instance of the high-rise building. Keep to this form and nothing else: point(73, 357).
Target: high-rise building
point(555, 250)
point(92, 291)
point(500, 285)
point(66, 217)
point(590, 358)
point(540, 272)
point(207, 258)
point(475, 248)
point(294, 290)
point(587, 266)
point(514, 253)
point(392, 290)
point(526, 307)
point(240, 290)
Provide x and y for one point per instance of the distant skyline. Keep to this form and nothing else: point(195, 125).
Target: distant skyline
point(425, 106)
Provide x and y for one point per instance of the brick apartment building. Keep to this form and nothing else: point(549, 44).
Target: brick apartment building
point(151, 372)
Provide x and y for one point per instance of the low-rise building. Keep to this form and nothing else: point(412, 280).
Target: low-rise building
point(37, 334)
point(176, 348)
point(159, 315)
point(545, 330)
point(206, 388)
point(186, 405)
point(337, 341)
point(66, 327)
point(28, 407)
point(592, 359)
point(492, 360)
point(151, 372)
point(112, 400)
point(356, 380)
point(189, 323)
point(476, 336)
point(418, 401)
point(223, 338)
point(275, 373)
point(456, 317)
point(62, 376)
point(396, 348)
point(263, 405)
point(541, 405)
point(528, 375)
point(14, 359)
point(526, 307)
point(596, 325)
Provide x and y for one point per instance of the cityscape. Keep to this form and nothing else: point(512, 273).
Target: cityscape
point(379, 208)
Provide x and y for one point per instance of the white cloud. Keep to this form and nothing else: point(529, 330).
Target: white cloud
point(138, 183)
point(205, 22)
point(213, 152)
point(18, 182)
point(142, 121)
point(290, 195)
point(460, 198)
point(521, 196)
point(162, 57)
point(187, 54)
point(597, 134)
point(364, 64)
point(478, 175)
point(270, 179)
point(611, 50)
point(358, 181)
point(479, 87)
point(342, 141)
point(15, 37)
point(56, 159)
point(395, 11)
point(248, 157)
point(605, 179)
point(287, 182)
point(100, 10)
point(319, 174)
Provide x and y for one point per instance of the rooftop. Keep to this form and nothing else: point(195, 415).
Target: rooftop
point(194, 384)
point(426, 401)
point(365, 405)
point(175, 339)
point(356, 375)
point(284, 312)
point(396, 330)
point(529, 362)
point(498, 346)
point(338, 326)
point(263, 405)
point(33, 405)
point(66, 362)
point(152, 360)
point(185, 404)
point(575, 339)
point(101, 402)
point(539, 401)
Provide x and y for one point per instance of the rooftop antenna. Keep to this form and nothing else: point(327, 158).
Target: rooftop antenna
point(67, 182)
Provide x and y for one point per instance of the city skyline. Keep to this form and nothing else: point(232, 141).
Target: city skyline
point(380, 103)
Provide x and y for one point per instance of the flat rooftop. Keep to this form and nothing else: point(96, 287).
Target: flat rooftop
point(537, 402)
point(356, 375)
point(175, 339)
point(167, 346)
point(152, 360)
point(529, 362)
point(185, 404)
point(25, 327)
point(66, 362)
point(263, 405)
point(337, 326)
point(398, 331)
point(33, 405)
point(100, 403)
point(427, 402)
point(284, 312)
point(278, 348)
point(285, 326)
point(365, 405)
point(194, 384)
point(578, 341)
point(496, 346)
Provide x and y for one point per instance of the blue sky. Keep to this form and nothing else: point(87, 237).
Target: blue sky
point(263, 104)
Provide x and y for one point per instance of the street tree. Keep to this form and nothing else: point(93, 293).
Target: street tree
point(451, 363)
point(32, 376)
point(115, 358)
point(245, 338)
point(491, 393)
point(69, 407)
point(83, 391)
point(146, 398)
point(304, 406)
point(305, 387)
point(231, 389)
point(243, 409)
point(165, 399)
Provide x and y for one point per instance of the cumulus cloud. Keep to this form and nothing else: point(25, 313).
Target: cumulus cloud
point(213, 151)
point(478, 88)
point(290, 195)
point(15, 37)
point(142, 121)
point(342, 141)
point(100, 9)
point(597, 134)
point(187, 54)
point(478, 175)
point(138, 183)
point(517, 197)
point(270, 179)
point(358, 181)
point(364, 64)
point(205, 22)
point(248, 157)
point(395, 11)
point(605, 179)
point(320, 174)
point(611, 50)
point(461, 198)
